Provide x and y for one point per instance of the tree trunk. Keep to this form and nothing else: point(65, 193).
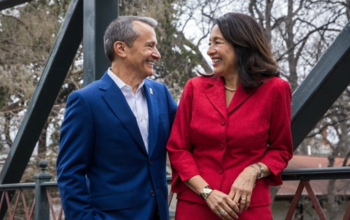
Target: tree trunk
point(347, 2)
point(292, 62)
point(7, 129)
point(333, 206)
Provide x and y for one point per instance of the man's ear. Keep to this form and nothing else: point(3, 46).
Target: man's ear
point(120, 48)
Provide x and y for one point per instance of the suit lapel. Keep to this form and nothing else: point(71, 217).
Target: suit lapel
point(118, 104)
point(216, 94)
point(240, 96)
point(153, 116)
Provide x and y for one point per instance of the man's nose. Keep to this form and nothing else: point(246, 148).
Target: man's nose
point(156, 54)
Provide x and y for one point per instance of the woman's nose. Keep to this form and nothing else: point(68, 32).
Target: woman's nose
point(210, 50)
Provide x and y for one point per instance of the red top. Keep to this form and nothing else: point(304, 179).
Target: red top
point(217, 143)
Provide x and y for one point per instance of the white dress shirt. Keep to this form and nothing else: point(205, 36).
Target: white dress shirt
point(137, 103)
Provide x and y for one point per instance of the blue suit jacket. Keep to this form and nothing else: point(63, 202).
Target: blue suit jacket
point(103, 169)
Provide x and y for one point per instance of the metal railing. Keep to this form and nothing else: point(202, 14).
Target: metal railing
point(42, 204)
point(304, 175)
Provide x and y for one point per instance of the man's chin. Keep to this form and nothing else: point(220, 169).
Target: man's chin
point(149, 74)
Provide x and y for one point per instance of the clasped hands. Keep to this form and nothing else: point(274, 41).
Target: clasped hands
point(228, 206)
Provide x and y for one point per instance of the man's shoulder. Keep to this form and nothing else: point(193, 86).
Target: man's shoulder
point(101, 84)
point(89, 90)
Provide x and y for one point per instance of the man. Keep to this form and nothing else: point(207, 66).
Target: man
point(111, 163)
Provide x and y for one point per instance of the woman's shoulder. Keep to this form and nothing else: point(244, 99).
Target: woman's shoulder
point(200, 81)
point(276, 82)
point(276, 87)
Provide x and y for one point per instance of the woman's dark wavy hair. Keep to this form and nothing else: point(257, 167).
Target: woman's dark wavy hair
point(254, 58)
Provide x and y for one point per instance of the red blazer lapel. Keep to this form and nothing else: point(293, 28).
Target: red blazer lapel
point(240, 96)
point(216, 94)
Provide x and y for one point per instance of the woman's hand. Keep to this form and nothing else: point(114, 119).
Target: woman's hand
point(242, 188)
point(222, 205)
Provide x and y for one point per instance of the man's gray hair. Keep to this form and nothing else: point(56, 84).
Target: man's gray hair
point(122, 29)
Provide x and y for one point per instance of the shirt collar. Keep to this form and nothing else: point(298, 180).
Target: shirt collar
point(119, 82)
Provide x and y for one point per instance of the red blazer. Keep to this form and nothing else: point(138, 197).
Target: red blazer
point(217, 143)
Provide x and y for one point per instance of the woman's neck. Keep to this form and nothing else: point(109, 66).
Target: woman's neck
point(231, 81)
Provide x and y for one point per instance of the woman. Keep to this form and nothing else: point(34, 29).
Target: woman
point(231, 136)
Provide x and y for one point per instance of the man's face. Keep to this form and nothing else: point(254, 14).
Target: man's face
point(142, 55)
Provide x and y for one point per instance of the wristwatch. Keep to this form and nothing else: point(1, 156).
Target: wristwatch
point(205, 192)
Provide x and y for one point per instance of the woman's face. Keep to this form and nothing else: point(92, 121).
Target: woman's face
point(222, 54)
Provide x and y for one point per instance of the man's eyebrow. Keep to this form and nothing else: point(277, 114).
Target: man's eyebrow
point(150, 42)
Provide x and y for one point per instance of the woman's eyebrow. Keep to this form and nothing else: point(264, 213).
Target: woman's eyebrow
point(216, 38)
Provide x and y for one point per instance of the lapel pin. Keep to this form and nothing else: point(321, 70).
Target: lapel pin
point(151, 91)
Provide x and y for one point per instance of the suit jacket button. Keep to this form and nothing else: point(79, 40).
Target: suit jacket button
point(220, 170)
point(222, 146)
point(223, 122)
point(150, 162)
point(152, 193)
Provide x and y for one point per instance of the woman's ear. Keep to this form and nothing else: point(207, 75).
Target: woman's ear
point(120, 48)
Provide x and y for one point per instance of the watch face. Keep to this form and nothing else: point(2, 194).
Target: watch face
point(205, 192)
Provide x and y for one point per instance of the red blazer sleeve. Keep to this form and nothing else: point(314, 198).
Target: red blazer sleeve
point(179, 145)
point(280, 149)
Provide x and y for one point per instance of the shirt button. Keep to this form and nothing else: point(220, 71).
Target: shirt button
point(152, 193)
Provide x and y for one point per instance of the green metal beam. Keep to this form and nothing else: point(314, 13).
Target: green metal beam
point(97, 16)
point(68, 40)
point(321, 88)
point(4, 4)
point(316, 173)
